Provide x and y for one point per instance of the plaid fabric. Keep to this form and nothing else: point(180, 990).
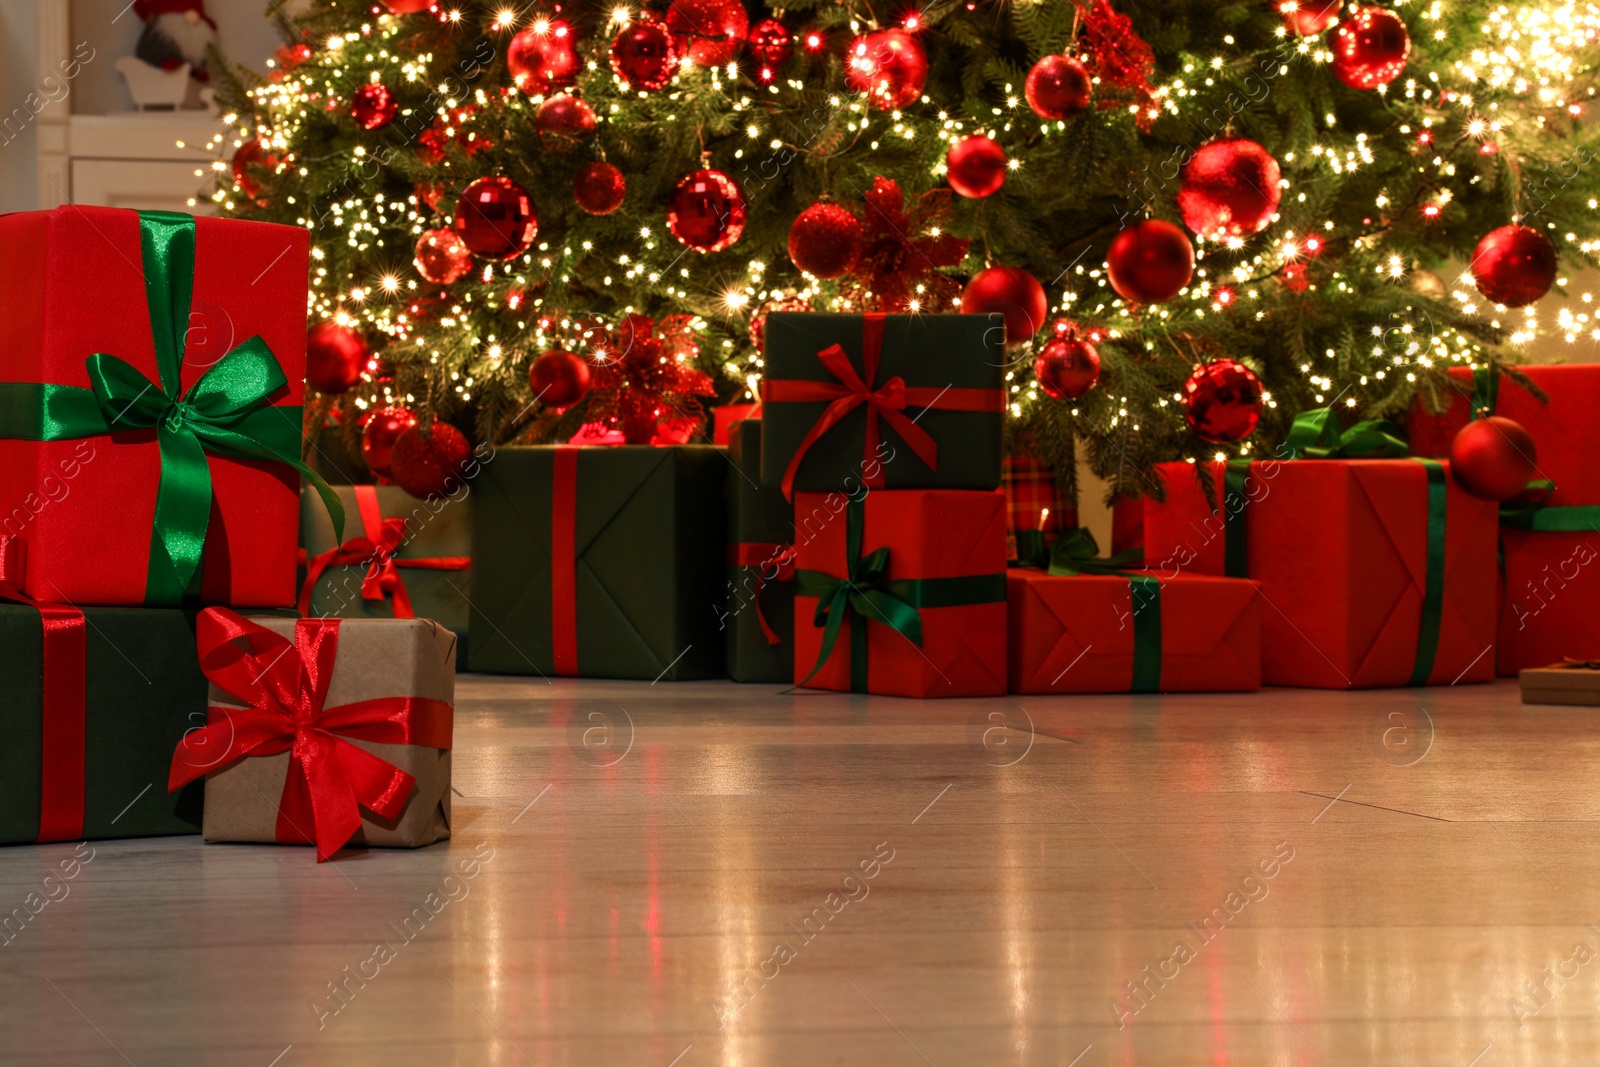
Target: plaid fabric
point(1030, 488)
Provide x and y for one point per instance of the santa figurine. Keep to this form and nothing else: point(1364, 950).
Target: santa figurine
point(176, 32)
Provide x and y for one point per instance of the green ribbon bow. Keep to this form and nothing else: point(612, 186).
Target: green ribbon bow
point(225, 413)
point(867, 592)
point(1077, 552)
point(1316, 434)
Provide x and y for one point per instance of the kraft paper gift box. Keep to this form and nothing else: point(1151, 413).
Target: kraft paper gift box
point(1572, 681)
point(759, 614)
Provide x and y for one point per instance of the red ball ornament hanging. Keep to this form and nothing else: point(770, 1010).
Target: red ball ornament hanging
point(889, 66)
point(1514, 265)
point(1493, 458)
point(1150, 262)
point(563, 122)
point(1222, 402)
point(442, 257)
point(1370, 49)
point(335, 357)
point(976, 166)
point(645, 55)
point(825, 240)
point(1067, 366)
point(373, 106)
point(599, 188)
point(1230, 187)
point(558, 378)
point(771, 44)
point(541, 61)
point(379, 434)
point(706, 211)
point(708, 30)
point(1012, 292)
point(252, 154)
point(495, 218)
point(408, 7)
point(1309, 17)
point(429, 466)
point(758, 321)
point(1058, 87)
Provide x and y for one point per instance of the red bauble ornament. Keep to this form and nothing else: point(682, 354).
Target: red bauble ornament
point(378, 436)
point(1150, 262)
point(758, 321)
point(408, 7)
point(825, 240)
point(1230, 187)
point(1493, 458)
point(251, 154)
point(1012, 292)
point(1058, 87)
point(889, 66)
point(1370, 48)
point(558, 378)
point(976, 166)
point(495, 218)
point(708, 30)
point(429, 466)
point(442, 257)
point(335, 357)
point(706, 211)
point(1067, 366)
point(599, 188)
point(540, 62)
point(1309, 17)
point(1514, 265)
point(1222, 402)
point(563, 123)
point(771, 44)
point(373, 106)
point(645, 55)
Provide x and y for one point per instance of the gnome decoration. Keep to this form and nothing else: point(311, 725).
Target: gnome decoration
point(176, 32)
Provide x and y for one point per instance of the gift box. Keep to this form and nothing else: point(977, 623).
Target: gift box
point(758, 618)
point(882, 401)
point(1572, 681)
point(1373, 573)
point(726, 417)
point(408, 560)
point(901, 592)
point(192, 326)
point(1132, 633)
point(329, 732)
point(600, 562)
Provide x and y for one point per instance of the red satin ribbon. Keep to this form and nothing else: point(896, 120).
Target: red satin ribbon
point(761, 555)
point(564, 562)
point(285, 687)
point(888, 402)
point(375, 549)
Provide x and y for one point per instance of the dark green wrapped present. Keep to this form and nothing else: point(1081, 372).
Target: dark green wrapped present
point(882, 401)
point(599, 562)
point(759, 615)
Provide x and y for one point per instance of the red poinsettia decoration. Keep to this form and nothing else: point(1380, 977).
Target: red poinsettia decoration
point(456, 127)
point(903, 250)
point(1120, 59)
point(645, 378)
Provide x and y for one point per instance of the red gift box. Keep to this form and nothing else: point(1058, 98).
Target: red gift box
point(1373, 573)
point(926, 568)
point(1094, 633)
point(93, 360)
point(725, 417)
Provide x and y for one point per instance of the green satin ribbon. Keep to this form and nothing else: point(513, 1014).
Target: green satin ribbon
point(225, 413)
point(1536, 515)
point(1316, 434)
point(870, 595)
point(1076, 552)
point(1145, 593)
point(1433, 584)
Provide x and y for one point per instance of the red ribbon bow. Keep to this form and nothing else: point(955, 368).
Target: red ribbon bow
point(381, 539)
point(285, 689)
point(762, 555)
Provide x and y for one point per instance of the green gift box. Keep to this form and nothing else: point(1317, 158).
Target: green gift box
point(758, 618)
point(406, 558)
point(600, 562)
point(882, 401)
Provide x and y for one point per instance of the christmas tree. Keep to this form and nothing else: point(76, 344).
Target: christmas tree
point(1200, 218)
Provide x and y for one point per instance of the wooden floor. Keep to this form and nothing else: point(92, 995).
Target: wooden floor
point(696, 874)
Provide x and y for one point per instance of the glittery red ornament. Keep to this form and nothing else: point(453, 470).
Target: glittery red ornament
point(645, 55)
point(1150, 262)
point(706, 211)
point(825, 240)
point(1370, 48)
point(889, 66)
point(1058, 87)
point(708, 30)
point(442, 257)
point(1493, 458)
point(1514, 265)
point(1309, 17)
point(1229, 187)
point(558, 378)
point(335, 357)
point(251, 154)
point(379, 434)
point(495, 218)
point(429, 466)
point(771, 44)
point(408, 7)
point(432, 195)
point(976, 166)
point(373, 106)
point(1067, 366)
point(599, 188)
point(758, 321)
point(540, 62)
point(1012, 292)
point(1222, 402)
point(563, 123)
